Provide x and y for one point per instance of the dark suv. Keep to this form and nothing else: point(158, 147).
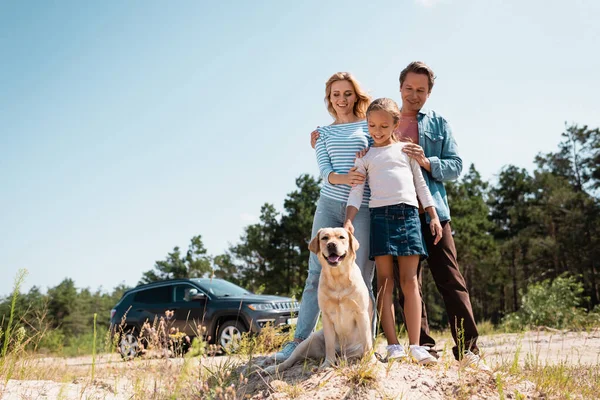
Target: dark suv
point(222, 310)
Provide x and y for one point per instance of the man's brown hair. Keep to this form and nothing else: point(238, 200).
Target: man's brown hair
point(418, 67)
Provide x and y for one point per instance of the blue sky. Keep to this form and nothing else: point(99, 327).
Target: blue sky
point(128, 127)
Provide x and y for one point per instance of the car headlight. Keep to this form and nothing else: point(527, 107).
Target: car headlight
point(260, 306)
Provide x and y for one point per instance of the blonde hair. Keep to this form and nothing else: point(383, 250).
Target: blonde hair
point(360, 107)
point(387, 105)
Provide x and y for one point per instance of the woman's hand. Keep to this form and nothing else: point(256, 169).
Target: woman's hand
point(314, 135)
point(415, 151)
point(348, 226)
point(355, 178)
point(436, 229)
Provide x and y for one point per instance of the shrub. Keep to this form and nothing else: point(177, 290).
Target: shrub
point(555, 304)
point(52, 342)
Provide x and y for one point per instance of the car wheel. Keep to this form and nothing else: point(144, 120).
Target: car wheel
point(230, 334)
point(129, 345)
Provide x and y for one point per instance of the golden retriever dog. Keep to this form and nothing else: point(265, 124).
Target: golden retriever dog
point(344, 301)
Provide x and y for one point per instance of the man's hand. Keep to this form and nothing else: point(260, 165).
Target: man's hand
point(415, 151)
point(314, 135)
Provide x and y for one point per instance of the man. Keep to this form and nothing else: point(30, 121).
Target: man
point(435, 149)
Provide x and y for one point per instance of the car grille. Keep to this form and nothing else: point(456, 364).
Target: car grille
point(286, 305)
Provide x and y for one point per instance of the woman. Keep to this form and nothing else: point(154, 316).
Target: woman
point(336, 148)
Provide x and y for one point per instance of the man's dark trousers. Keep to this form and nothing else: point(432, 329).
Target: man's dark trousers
point(451, 285)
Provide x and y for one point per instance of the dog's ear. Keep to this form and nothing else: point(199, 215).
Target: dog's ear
point(352, 242)
point(314, 243)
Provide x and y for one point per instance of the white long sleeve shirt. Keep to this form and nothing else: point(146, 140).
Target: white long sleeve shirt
point(393, 178)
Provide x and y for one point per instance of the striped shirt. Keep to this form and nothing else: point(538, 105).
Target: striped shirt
point(336, 150)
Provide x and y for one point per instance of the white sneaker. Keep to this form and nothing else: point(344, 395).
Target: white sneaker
point(421, 355)
point(473, 360)
point(395, 352)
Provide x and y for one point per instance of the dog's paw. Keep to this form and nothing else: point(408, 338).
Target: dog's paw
point(265, 361)
point(325, 365)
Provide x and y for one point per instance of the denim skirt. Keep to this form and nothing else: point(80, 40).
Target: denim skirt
point(396, 231)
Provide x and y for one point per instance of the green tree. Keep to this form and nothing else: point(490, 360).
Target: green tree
point(570, 208)
point(258, 256)
point(577, 160)
point(568, 235)
point(58, 318)
point(475, 247)
point(193, 264)
point(31, 311)
point(296, 225)
point(273, 253)
point(510, 202)
point(62, 300)
point(225, 268)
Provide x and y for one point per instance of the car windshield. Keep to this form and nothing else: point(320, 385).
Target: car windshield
point(220, 288)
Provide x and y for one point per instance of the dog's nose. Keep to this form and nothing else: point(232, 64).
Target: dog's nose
point(332, 247)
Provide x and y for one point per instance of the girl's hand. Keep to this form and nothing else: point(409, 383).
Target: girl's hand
point(348, 226)
point(362, 153)
point(354, 178)
point(436, 230)
point(314, 135)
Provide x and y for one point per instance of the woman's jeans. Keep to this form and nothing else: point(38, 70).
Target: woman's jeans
point(332, 214)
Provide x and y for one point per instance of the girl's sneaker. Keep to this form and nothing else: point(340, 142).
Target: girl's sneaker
point(421, 355)
point(395, 352)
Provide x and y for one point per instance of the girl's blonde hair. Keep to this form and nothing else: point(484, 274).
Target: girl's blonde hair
point(360, 107)
point(390, 107)
point(387, 105)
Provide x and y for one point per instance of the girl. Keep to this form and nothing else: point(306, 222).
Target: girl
point(336, 148)
point(395, 181)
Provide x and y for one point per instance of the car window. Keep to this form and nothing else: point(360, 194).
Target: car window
point(126, 300)
point(220, 287)
point(182, 293)
point(154, 296)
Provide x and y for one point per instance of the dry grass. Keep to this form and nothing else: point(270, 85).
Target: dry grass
point(201, 374)
point(165, 371)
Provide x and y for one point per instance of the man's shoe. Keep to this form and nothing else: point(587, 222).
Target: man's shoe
point(473, 360)
point(395, 352)
point(421, 355)
point(286, 351)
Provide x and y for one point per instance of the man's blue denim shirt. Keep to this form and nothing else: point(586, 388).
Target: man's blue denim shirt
point(435, 137)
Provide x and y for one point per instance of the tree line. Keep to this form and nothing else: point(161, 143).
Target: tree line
point(522, 229)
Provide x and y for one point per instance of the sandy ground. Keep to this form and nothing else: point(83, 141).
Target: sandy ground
point(544, 347)
point(395, 381)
